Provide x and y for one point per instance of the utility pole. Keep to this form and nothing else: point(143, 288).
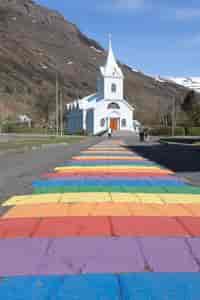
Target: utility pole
point(61, 112)
point(57, 104)
point(173, 115)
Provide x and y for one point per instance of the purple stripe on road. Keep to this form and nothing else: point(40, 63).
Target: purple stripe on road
point(94, 255)
point(69, 256)
point(21, 256)
point(194, 246)
point(168, 254)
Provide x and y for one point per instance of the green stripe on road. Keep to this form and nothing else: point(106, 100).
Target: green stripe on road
point(119, 189)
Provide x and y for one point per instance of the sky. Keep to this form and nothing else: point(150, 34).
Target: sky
point(158, 37)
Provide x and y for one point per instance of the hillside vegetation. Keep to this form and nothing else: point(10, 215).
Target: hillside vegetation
point(36, 43)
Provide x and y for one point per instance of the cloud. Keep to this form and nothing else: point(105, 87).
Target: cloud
point(187, 14)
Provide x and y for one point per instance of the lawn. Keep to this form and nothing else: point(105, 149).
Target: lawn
point(24, 143)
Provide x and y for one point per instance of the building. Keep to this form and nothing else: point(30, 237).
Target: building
point(105, 109)
point(24, 119)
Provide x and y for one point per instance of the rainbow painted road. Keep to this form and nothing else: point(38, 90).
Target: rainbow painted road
point(106, 225)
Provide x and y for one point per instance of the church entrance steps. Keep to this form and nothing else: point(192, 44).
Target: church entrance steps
point(124, 133)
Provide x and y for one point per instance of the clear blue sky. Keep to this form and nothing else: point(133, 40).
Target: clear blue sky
point(159, 37)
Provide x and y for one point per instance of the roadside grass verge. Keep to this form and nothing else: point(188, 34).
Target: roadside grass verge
point(191, 141)
point(29, 143)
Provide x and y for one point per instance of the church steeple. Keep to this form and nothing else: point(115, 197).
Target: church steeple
point(110, 83)
point(111, 68)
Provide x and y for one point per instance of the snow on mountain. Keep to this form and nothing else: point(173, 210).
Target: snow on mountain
point(189, 82)
point(135, 70)
point(96, 50)
point(160, 79)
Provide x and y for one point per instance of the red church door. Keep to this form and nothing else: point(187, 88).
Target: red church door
point(114, 124)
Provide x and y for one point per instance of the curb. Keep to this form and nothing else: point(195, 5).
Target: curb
point(174, 143)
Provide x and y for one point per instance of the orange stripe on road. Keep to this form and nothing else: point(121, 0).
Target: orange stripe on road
point(102, 209)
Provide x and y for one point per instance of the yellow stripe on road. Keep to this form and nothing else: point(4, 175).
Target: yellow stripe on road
point(33, 199)
point(106, 168)
point(102, 197)
point(108, 158)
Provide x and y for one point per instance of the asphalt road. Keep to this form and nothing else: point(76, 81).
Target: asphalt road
point(184, 160)
point(18, 170)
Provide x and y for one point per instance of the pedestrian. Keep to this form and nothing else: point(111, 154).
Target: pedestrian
point(146, 134)
point(109, 132)
point(141, 133)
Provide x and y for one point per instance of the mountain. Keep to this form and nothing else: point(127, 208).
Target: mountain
point(36, 43)
point(189, 82)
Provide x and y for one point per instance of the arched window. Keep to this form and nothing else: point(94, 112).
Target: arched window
point(113, 88)
point(113, 105)
point(123, 122)
point(102, 122)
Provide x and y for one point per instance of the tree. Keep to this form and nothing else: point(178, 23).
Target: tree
point(192, 109)
point(194, 115)
point(44, 106)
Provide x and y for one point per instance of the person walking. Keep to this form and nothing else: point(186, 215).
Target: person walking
point(141, 133)
point(109, 132)
point(146, 135)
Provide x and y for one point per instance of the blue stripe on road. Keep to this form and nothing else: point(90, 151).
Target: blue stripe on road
point(58, 183)
point(142, 286)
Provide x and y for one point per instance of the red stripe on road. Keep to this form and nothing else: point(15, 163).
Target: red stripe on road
point(100, 226)
point(12, 228)
point(107, 174)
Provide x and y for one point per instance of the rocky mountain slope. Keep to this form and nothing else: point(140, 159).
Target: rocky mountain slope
point(36, 43)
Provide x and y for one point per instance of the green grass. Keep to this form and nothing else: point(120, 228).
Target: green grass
point(24, 143)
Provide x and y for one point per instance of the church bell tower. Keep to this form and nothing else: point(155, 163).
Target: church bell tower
point(111, 81)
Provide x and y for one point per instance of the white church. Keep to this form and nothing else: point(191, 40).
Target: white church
point(105, 109)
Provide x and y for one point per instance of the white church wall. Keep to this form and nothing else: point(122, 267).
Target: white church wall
point(100, 114)
point(103, 113)
point(128, 115)
point(108, 93)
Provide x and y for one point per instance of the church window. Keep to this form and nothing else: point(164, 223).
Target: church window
point(123, 122)
point(113, 105)
point(102, 122)
point(113, 88)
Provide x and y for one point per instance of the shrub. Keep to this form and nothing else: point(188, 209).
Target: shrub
point(167, 131)
point(194, 131)
point(81, 132)
point(12, 127)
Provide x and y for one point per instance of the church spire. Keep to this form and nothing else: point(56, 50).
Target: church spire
point(111, 68)
point(111, 61)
